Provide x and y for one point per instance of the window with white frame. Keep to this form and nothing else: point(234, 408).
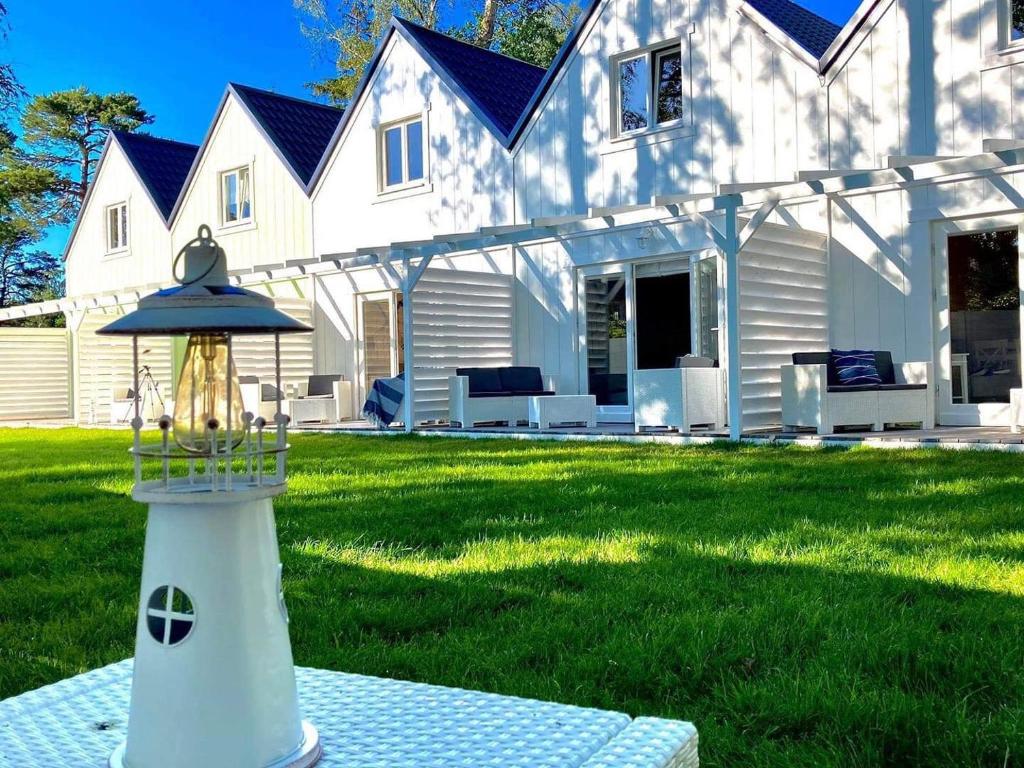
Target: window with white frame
point(117, 227)
point(236, 196)
point(402, 154)
point(649, 89)
point(1015, 16)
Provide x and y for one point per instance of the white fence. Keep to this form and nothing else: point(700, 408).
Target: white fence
point(460, 319)
point(35, 374)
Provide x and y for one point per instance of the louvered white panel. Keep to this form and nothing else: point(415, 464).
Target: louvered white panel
point(254, 355)
point(34, 374)
point(105, 362)
point(783, 309)
point(105, 365)
point(460, 319)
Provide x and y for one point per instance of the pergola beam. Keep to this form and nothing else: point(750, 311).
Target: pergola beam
point(1001, 145)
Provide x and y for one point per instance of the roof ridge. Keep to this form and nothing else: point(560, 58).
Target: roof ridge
point(133, 135)
point(406, 21)
point(285, 96)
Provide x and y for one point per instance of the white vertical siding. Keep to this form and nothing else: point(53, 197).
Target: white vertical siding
point(282, 216)
point(35, 373)
point(757, 114)
point(89, 268)
point(469, 181)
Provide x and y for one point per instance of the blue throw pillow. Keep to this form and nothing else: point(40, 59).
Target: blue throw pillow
point(855, 367)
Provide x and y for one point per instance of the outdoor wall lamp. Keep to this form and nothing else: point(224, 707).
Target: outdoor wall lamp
point(214, 681)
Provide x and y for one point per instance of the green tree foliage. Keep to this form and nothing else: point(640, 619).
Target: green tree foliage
point(532, 30)
point(11, 89)
point(64, 132)
point(350, 30)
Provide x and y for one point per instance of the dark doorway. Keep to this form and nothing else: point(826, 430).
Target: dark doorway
point(662, 320)
point(984, 316)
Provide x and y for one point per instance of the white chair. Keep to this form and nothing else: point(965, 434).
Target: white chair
point(679, 398)
point(323, 398)
point(813, 397)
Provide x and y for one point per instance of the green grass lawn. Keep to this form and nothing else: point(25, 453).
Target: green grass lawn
point(802, 607)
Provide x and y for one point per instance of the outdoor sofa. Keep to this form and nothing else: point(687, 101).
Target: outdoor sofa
point(680, 398)
point(814, 395)
point(485, 395)
point(321, 398)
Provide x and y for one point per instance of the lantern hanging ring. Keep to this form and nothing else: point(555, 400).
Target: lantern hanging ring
point(204, 239)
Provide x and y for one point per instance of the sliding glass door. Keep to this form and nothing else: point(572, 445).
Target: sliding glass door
point(637, 316)
point(381, 345)
point(978, 300)
point(608, 342)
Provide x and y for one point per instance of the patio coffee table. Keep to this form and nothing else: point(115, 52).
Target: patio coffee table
point(364, 722)
point(547, 410)
point(307, 409)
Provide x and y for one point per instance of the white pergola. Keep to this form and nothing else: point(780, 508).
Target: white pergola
point(720, 214)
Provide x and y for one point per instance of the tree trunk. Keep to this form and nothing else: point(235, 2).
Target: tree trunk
point(485, 33)
point(83, 183)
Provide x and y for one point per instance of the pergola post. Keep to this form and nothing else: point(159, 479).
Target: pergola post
point(730, 247)
point(411, 276)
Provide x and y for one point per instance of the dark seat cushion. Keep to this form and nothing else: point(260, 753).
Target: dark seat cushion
point(322, 385)
point(482, 379)
point(901, 387)
point(521, 379)
point(489, 394)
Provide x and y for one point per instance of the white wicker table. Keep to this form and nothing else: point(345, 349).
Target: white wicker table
point(546, 410)
point(364, 722)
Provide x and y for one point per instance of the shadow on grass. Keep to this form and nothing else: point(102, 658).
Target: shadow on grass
point(769, 660)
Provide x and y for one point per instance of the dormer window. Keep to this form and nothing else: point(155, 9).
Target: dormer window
point(402, 154)
point(117, 227)
point(649, 89)
point(236, 196)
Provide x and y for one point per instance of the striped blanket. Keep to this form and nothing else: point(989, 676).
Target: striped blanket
point(384, 401)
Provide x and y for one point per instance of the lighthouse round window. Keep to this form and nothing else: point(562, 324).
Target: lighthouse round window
point(170, 615)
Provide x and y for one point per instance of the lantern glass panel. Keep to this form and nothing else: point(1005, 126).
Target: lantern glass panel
point(202, 396)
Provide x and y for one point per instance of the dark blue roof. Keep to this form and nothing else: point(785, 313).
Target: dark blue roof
point(500, 86)
point(811, 32)
point(301, 130)
point(162, 165)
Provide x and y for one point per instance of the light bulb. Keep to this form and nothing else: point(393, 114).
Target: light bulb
point(202, 396)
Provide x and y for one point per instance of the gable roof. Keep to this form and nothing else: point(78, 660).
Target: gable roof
point(498, 85)
point(299, 129)
point(496, 88)
point(807, 29)
point(162, 165)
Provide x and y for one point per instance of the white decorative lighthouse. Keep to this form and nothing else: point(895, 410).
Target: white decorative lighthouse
point(214, 681)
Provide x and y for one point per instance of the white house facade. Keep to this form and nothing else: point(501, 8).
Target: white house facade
point(736, 181)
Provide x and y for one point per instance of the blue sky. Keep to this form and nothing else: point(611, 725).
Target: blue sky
point(177, 56)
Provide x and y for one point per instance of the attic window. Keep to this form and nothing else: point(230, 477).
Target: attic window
point(649, 89)
point(402, 154)
point(236, 196)
point(117, 227)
